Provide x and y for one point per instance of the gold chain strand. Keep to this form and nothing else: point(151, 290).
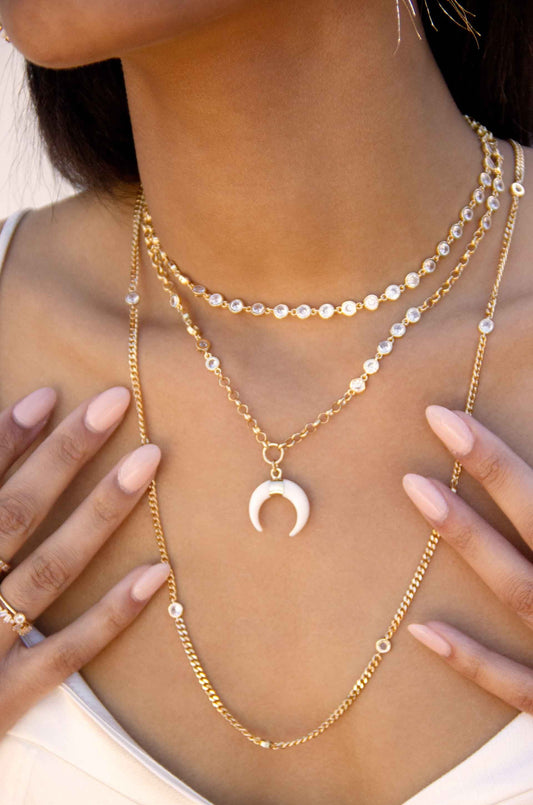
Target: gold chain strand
point(349, 307)
point(383, 645)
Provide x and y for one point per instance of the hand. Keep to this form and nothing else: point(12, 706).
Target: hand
point(509, 481)
point(27, 674)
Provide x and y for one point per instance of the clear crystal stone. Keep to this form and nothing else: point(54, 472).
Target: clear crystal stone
point(486, 221)
point(349, 307)
point(203, 344)
point(303, 311)
point(397, 329)
point(478, 195)
point(493, 202)
point(358, 385)
point(212, 363)
point(236, 305)
point(326, 310)
point(486, 326)
point(18, 618)
point(457, 230)
point(383, 645)
point(215, 299)
point(467, 213)
point(174, 300)
point(429, 265)
point(443, 248)
point(265, 744)
point(412, 279)
point(175, 609)
point(371, 366)
point(517, 189)
point(132, 298)
point(198, 289)
point(371, 301)
point(490, 163)
point(393, 292)
point(485, 179)
point(258, 308)
point(280, 311)
point(498, 184)
point(384, 347)
point(413, 314)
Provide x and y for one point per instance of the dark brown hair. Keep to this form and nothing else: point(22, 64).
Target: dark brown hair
point(84, 120)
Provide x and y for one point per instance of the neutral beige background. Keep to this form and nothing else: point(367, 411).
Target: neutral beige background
point(26, 178)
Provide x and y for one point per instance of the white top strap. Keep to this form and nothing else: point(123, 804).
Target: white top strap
point(7, 233)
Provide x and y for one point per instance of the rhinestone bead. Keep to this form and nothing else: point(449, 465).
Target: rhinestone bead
point(429, 265)
point(383, 645)
point(349, 307)
point(457, 231)
point(215, 299)
point(517, 189)
point(132, 298)
point(384, 347)
point(486, 326)
point(397, 329)
point(212, 363)
point(175, 609)
point(265, 744)
point(326, 311)
point(18, 618)
point(478, 195)
point(443, 248)
point(236, 305)
point(413, 314)
point(467, 213)
point(371, 366)
point(280, 311)
point(203, 344)
point(412, 280)
point(303, 311)
point(174, 300)
point(183, 279)
point(393, 292)
point(490, 163)
point(486, 221)
point(198, 289)
point(498, 184)
point(358, 385)
point(485, 179)
point(371, 301)
point(258, 308)
point(493, 202)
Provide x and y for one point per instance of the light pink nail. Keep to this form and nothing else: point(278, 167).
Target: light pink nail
point(139, 467)
point(33, 408)
point(107, 408)
point(426, 497)
point(430, 639)
point(449, 427)
point(150, 581)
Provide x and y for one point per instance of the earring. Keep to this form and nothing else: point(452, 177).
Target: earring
point(461, 19)
point(3, 33)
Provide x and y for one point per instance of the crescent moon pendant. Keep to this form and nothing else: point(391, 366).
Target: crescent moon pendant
point(287, 489)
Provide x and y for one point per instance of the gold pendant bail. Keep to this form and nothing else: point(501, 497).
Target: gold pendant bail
point(275, 470)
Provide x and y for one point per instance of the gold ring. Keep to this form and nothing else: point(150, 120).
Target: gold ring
point(17, 620)
point(5, 567)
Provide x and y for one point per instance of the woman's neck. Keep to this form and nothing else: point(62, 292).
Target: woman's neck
point(288, 153)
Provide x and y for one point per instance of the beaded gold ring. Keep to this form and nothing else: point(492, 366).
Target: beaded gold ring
point(17, 620)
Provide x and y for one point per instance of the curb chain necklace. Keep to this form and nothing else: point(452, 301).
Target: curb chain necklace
point(384, 644)
point(278, 485)
point(371, 301)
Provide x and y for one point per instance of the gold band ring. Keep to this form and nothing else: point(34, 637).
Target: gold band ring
point(5, 567)
point(17, 620)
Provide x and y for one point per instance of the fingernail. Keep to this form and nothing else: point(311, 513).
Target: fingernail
point(430, 639)
point(426, 497)
point(107, 408)
point(138, 468)
point(150, 581)
point(449, 427)
point(33, 408)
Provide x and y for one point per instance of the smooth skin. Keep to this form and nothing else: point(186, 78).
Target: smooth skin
point(287, 154)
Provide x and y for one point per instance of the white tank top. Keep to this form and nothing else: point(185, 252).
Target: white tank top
point(68, 748)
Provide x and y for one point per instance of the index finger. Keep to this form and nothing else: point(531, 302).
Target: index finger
point(505, 475)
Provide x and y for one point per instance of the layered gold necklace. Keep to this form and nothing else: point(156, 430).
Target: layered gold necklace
point(492, 169)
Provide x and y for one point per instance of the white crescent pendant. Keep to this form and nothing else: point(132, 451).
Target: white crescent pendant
point(289, 490)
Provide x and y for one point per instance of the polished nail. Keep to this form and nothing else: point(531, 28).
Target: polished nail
point(150, 581)
point(107, 408)
point(426, 497)
point(33, 408)
point(449, 427)
point(138, 468)
point(430, 639)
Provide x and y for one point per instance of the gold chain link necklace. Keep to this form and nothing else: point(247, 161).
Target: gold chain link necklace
point(384, 644)
point(278, 485)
